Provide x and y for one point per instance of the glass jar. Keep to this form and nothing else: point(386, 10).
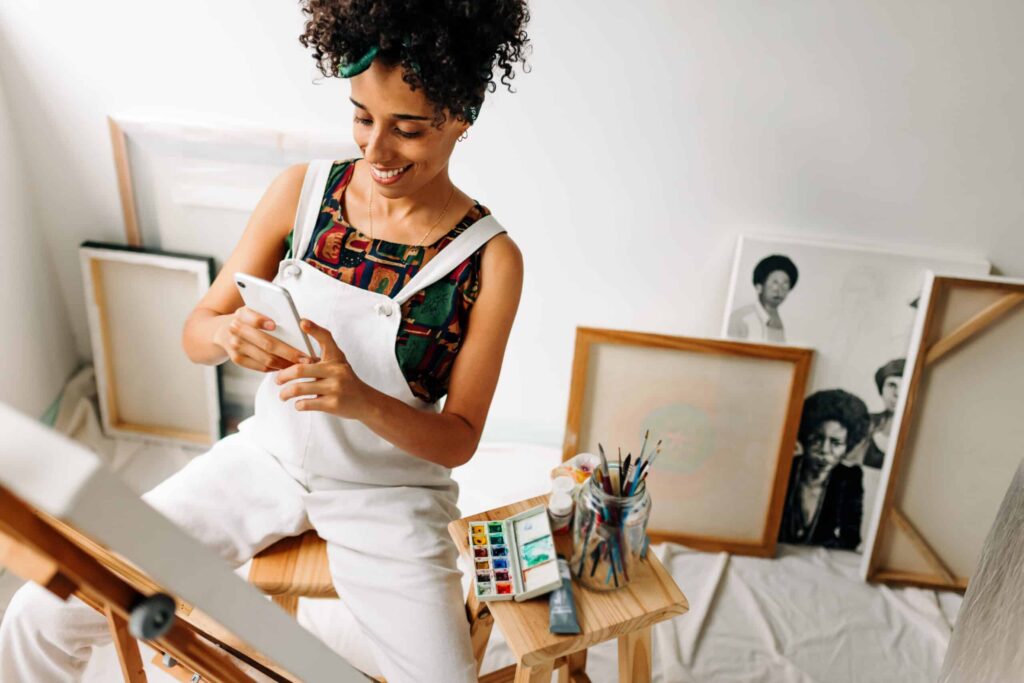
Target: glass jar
point(608, 534)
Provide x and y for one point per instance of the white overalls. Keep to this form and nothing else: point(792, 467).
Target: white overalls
point(383, 512)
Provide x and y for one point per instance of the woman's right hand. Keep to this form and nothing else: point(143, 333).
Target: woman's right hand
point(242, 336)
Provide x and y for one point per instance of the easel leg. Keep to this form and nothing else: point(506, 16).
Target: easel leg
point(127, 648)
point(635, 657)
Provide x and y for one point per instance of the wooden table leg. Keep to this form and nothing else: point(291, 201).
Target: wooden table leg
point(635, 657)
point(574, 669)
point(481, 622)
point(127, 648)
point(534, 674)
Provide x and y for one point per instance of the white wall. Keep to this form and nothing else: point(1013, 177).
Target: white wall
point(37, 350)
point(648, 136)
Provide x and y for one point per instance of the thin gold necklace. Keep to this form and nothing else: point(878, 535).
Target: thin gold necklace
point(429, 230)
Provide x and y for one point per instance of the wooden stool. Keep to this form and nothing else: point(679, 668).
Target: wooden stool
point(627, 614)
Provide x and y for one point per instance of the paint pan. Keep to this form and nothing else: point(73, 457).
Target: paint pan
point(514, 557)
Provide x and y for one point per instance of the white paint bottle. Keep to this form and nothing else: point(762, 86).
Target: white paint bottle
point(560, 505)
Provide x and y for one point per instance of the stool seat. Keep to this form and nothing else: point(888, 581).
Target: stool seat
point(627, 613)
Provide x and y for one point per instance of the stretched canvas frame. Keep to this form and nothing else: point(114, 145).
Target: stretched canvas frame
point(137, 301)
point(721, 408)
point(189, 185)
point(958, 431)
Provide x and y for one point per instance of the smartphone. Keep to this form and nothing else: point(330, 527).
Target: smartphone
point(274, 302)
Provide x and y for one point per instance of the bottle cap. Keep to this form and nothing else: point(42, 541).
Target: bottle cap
point(560, 503)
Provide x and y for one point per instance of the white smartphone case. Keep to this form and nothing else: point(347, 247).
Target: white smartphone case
point(275, 303)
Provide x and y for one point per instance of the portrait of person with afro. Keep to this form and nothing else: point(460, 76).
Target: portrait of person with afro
point(824, 501)
point(773, 278)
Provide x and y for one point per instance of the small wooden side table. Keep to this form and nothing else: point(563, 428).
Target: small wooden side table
point(627, 614)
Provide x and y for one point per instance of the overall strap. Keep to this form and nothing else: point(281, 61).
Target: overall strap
point(446, 260)
point(313, 187)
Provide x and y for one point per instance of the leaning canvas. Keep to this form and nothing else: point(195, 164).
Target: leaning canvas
point(855, 306)
point(725, 414)
point(956, 437)
point(137, 301)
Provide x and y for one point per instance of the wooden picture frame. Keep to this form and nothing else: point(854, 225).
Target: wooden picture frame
point(957, 434)
point(137, 301)
point(698, 394)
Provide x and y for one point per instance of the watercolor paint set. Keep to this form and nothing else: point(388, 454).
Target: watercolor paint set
point(514, 557)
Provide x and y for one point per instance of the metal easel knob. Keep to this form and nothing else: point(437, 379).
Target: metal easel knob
point(152, 617)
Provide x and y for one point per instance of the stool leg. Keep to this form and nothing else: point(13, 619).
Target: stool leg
point(635, 657)
point(534, 674)
point(289, 603)
point(481, 621)
point(573, 671)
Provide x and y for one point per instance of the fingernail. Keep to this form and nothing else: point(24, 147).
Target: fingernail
point(268, 325)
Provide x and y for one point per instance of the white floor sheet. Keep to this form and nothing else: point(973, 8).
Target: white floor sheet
point(803, 617)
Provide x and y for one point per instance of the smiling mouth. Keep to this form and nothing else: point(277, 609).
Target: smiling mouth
point(389, 175)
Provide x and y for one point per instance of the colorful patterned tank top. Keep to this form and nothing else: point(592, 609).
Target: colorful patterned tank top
point(435, 318)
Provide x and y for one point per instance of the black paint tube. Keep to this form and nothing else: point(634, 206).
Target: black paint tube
point(561, 606)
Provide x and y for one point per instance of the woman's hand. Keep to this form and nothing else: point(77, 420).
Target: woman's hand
point(335, 388)
point(243, 338)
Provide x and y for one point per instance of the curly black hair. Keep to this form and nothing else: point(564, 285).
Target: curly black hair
point(447, 47)
point(841, 406)
point(769, 264)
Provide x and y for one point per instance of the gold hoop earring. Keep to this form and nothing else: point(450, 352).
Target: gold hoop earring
point(465, 134)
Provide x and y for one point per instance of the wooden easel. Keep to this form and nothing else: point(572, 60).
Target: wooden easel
point(40, 548)
point(53, 490)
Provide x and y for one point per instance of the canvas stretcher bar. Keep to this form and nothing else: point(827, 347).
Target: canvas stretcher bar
point(956, 431)
point(721, 408)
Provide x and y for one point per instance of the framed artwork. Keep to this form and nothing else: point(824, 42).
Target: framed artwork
point(957, 434)
point(726, 414)
point(137, 301)
point(855, 305)
point(190, 186)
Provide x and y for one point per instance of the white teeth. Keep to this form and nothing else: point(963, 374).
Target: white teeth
point(384, 175)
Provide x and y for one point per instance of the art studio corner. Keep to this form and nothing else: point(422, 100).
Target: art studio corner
point(433, 342)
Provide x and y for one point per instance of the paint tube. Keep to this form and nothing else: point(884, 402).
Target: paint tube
point(561, 606)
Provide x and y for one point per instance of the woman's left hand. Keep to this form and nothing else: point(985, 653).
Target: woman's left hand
point(336, 389)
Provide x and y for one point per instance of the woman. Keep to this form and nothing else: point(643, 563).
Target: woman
point(825, 497)
point(409, 288)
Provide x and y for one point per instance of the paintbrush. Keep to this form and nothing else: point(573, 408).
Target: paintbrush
point(606, 480)
point(620, 479)
point(643, 446)
point(646, 468)
point(624, 476)
point(586, 539)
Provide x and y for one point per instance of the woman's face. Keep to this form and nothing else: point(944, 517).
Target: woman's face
point(826, 445)
point(392, 126)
